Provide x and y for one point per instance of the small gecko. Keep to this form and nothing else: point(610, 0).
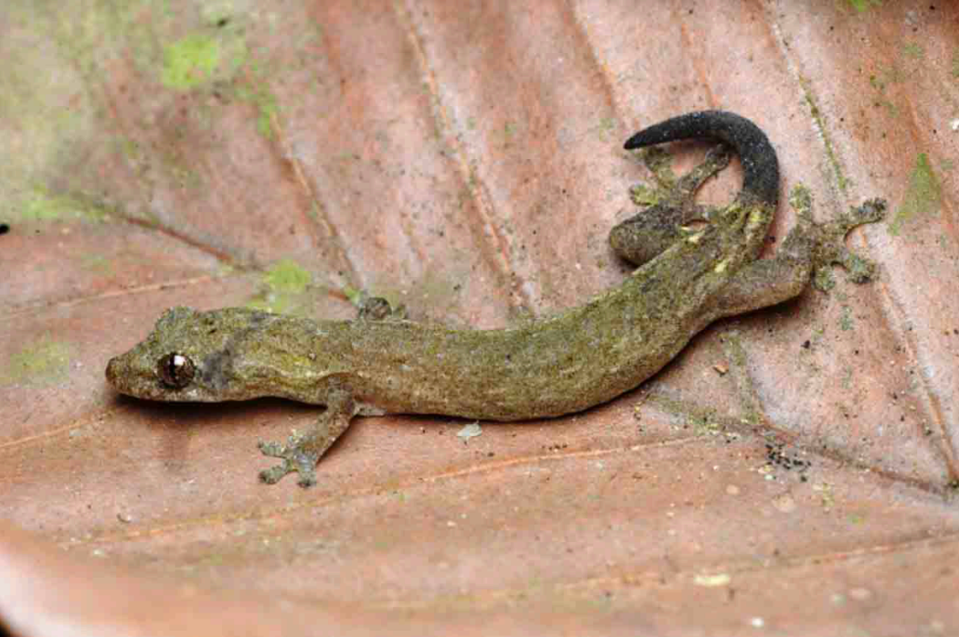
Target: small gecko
point(377, 364)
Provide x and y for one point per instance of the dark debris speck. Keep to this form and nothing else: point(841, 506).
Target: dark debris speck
point(777, 456)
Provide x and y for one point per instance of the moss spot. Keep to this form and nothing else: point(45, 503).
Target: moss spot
point(265, 102)
point(287, 276)
point(846, 320)
point(861, 6)
point(841, 181)
point(41, 362)
point(190, 61)
point(605, 128)
point(923, 197)
point(41, 205)
point(283, 286)
point(913, 50)
point(97, 263)
point(880, 81)
point(353, 295)
point(266, 110)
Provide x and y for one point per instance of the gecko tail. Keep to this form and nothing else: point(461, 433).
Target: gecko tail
point(760, 164)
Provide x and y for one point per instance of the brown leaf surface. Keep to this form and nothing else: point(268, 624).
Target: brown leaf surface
point(465, 159)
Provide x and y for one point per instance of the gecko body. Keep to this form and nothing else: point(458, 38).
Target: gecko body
point(584, 356)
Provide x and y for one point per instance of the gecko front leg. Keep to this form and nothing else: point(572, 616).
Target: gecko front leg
point(377, 308)
point(302, 451)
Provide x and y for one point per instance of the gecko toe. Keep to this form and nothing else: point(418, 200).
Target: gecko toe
point(275, 473)
point(272, 449)
point(301, 466)
point(718, 157)
point(869, 212)
point(307, 478)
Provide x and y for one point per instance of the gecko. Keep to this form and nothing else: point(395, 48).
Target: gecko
point(696, 264)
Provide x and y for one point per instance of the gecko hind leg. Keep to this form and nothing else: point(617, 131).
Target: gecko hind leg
point(669, 206)
point(831, 250)
point(302, 451)
point(809, 251)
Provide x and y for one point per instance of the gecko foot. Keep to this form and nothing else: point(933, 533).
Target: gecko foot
point(678, 190)
point(302, 451)
point(295, 458)
point(831, 247)
point(834, 250)
point(376, 308)
point(825, 242)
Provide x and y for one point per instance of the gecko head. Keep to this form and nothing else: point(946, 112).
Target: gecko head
point(186, 358)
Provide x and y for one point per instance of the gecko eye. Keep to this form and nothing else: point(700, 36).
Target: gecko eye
point(175, 370)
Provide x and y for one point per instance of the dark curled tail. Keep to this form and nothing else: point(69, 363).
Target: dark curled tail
point(760, 165)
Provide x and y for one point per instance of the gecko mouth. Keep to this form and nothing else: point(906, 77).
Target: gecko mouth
point(124, 377)
point(114, 371)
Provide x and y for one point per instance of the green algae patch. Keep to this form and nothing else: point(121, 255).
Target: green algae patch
point(841, 181)
point(354, 295)
point(283, 290)
point(923, 197)
point(862, 6)
point(190, 61)
point(44, 361)
point(605, 130)
point(267, 106)
point(97, 263)
point(287, 276)
point(41, 205)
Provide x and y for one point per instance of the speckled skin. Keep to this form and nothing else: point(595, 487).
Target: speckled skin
point(566, 363)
